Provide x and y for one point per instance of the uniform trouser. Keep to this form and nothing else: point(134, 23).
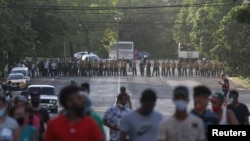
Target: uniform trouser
point(124, 72)
point(121, 71)
point(105, 73)
point(134, 71)
point(184, 72)
point(111, 71)
point(179, 72)
point(219, 72)
point(209, 72)
point(213, 73)
point(190, 72)
point(154, 71)
point(142, 71)
point(168, 72)
point(100, 72)
point(40, 72)
point(158, 71)
point(163, 72)
point(197, 73)
point(116, 72)
point(173, 72)
point(148, 73)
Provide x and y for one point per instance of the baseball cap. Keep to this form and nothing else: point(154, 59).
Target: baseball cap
point(21, 98)
point(218, 95)
point(181, 90)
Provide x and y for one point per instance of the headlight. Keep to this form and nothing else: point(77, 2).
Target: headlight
point(51, 101)
point(54, 101)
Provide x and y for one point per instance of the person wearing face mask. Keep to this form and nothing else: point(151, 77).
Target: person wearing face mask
point(201, 99)
point(28, 132)
point(141, 124)
point(40, 112)
point(225, 116)
point(240, 110)
point(182, 125)
point(9, 129)
point(113, 116)
point(72, 125)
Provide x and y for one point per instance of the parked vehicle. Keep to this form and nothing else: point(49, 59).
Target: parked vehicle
point(17, 81)
point(49, 99)
point(24, 71)
point(143, 54)
point(90, 57)
point(79, 55)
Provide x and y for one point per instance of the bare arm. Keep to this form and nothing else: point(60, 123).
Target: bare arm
point(231, 118)
point(123, 136)
point(105, 121)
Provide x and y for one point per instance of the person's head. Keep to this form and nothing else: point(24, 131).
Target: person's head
point(86, 87)
point(2, 106)
point(223, 76)
point(71, 100)
point(123, 89)
point(87, 103)
point(201, 97)
point(35, 99)
point(122, 99)
point(233, 96)
point(21, 101)
point(181, 98)
point(19, 113)
point(217, 100)
point(148, 100)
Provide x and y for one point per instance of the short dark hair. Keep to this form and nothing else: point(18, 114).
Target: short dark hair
point(234, 92)
point(2, 98)
point(66, 92)
point(121, 95)
point(123, 89)
point(201, 91)
point(148, 95)
point(222, 75)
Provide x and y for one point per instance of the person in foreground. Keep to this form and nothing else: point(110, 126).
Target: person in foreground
point(225, 116)
point(182, 126)
point(72, 125)
point(141, 124)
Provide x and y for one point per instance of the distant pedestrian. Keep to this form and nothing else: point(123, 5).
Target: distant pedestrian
point(123, 90)
point(225, 85)
point(201, 100)
point(72, 125)
point(225, 116)
point(182, 126)
point(141, 124)
point(240, 110)
point(113, 115)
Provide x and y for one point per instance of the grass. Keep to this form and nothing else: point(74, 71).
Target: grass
point(241, 81)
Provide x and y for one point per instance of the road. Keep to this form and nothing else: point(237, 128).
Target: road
point(104, 89)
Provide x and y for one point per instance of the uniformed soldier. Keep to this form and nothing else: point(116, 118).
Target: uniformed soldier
point(148, 69)
point(134, 68)
point(142, 67)
point(111, 70)
point(179, 67)
point(81, 68)
point(163, 66)
point(219, 69)
point(209, 67)
point(155, 68)
point(105, 73)
point(190, 68)
point(108, 68)
point(89, 68)
point(196, 67)
point(173, 66)
point(116, 68)
point(158, 64)
point(168, 65)
point(121, 68)
point(213, 69)
point(202, 67)
point(184, 68)
point(124, 68)
point(96, 68)
point(101, 68)
point(216, 69)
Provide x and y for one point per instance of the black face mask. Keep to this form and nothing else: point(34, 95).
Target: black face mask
point(35, 103)
point(20, 121)
point(79, 111)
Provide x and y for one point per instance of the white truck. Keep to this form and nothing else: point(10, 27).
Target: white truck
point(125, 50)
point(186, 52)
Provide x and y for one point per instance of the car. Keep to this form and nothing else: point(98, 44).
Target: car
point(90, 57)
point(143, 54)
point(24, 71)
point(79, 55)
point(48, 97)
point(17, 81)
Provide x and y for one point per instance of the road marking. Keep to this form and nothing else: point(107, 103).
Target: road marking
point(119, 83)
point(102, 90)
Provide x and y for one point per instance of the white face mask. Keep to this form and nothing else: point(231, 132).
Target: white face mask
point(122, 106)
point(230, 100)
point(180, 105)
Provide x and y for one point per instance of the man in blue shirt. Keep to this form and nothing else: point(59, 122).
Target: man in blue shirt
point(201, 99)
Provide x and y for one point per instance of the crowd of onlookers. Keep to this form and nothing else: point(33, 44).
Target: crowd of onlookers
point(28, 121)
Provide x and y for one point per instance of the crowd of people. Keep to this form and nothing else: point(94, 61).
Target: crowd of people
point(79, 122)
point(149, 68)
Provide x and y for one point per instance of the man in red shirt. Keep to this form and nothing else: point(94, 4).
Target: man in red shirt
point(72, 125)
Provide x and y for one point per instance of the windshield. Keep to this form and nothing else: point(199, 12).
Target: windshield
point(20, 71)
point(11, 77)
point(122, 46)
point(42, 90)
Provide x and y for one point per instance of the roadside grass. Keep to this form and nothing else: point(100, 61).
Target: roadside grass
point(241, 81)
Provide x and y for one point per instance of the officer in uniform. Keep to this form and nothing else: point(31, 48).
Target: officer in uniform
point(168, 65)
point(196, 67)
point(89, 68)
point(155, 68)
point(101, 68)
point(124, 68)
point(105, 68)
point(184, 68)
point(179, 66)
point(213, 69)
point(142, 66)
point(209, 67)
point(116, 67)
point(163, 66)
point(111, 70)
point(148, 69)
point(134, 68)
point(81, 67)
point(202, 66)
point(158, 64)
point(190, 67)
point(220, 69)
point(108, 65)
point(216, 69)
point(173, 66)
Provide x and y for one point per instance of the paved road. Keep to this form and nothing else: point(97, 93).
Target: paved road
point(104, 89)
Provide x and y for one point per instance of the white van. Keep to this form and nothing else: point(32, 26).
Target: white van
point(90, 57)
point(24, 71)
